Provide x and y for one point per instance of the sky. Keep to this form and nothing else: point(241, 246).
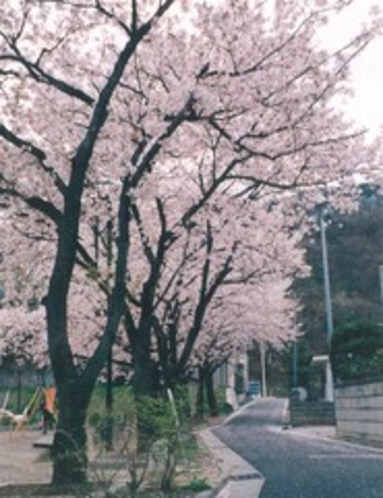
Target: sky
point(366, 108)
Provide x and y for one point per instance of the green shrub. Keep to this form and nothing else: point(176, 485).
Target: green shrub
point(196, 485)
point(357, 350)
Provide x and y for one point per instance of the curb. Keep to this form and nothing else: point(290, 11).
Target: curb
point(239, 477)
point(241, 409)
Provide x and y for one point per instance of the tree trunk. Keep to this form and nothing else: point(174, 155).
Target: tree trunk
point(143, 382)
point(210, 393)
point(181, 393)
point(69, 451)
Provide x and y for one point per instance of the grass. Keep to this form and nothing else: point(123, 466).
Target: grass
point(122, 402)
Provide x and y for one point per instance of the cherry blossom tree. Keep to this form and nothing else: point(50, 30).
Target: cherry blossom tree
point(239, 248)
point(97, 97)
point(217, 305)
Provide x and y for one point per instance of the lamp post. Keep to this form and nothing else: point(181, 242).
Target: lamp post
point(109, 423)
point(329, 394)
point(295, 364)
point(262, 350)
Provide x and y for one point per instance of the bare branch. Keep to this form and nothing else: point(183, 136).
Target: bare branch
point(28, 147)
point(41, 76)
point(112, 16)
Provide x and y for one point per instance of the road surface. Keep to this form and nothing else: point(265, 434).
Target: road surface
point(297, 466)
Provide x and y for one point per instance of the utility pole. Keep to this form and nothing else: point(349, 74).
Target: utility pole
point(329, 395)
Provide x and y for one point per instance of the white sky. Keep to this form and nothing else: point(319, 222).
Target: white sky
point(366, 109)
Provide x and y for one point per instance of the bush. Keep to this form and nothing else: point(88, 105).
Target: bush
point(357, 350)
point(146, 435)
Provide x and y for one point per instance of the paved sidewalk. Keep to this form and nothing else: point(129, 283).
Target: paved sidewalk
point(239, 479)
point(20, 462)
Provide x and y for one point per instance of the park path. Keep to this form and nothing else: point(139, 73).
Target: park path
point(20, 462)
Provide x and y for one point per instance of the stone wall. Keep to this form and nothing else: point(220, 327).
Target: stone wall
point(311, 413)
point(359, 412)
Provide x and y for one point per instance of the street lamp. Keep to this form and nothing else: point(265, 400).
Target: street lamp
point(262, 350)
point(329, 392)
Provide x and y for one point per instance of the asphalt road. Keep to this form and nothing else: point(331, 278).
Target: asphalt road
point(297, 466)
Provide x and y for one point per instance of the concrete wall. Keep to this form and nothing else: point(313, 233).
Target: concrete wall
point(359, 412)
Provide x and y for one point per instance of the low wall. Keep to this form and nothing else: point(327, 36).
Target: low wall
point(311, 413)
point(359, 412)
